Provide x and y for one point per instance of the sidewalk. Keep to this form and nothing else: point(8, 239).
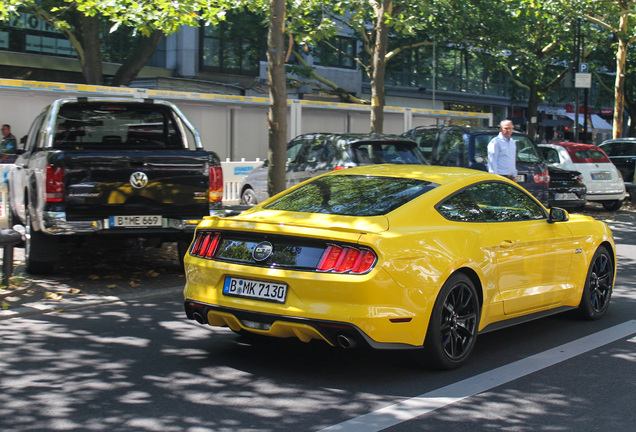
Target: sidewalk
point(96, 275)
point(90, 276)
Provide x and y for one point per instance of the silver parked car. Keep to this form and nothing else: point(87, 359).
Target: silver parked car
point(313, 154)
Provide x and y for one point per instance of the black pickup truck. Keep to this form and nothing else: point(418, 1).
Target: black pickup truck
point(122, 169)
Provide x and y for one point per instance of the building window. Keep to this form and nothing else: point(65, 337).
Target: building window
point(235, 46)
point(339, 52)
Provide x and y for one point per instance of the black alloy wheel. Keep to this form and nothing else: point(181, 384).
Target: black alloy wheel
point(598, 285)
point(452, 329)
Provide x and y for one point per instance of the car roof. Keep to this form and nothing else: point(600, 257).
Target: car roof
point(573, 148)
point(464, 129)
point(619, 140)
point(351, 136)
point(433, 173)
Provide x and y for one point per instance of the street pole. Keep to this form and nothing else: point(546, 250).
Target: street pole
point(577, 48)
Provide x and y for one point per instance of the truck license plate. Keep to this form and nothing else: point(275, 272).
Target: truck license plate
point(254, 289)
point(136, 221)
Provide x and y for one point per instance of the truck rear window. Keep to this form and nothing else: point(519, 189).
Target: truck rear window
point(116, 126)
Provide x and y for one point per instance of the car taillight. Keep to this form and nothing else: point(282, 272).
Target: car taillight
point(340, 167)
point(544, 177)
point(215, 192)
point(205, 244)
point(54, 183)
point(346, 259)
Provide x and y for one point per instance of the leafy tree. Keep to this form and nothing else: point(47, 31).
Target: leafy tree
point(385, 29)
point(531, 40)
point(619, 18)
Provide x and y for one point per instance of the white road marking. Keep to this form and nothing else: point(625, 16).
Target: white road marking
point(428, 402)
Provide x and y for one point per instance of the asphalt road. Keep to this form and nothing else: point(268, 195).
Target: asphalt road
point(139, 365)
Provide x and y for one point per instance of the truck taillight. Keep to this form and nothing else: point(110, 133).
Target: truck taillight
point(54, 183)
point(216, 184)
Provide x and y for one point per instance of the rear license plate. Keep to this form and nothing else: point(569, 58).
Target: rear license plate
point(136, 221)
point(521, 178)
point(564, 196)
point(254, 289)
point(601, 176)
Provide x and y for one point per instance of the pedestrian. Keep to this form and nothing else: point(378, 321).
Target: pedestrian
point(6, 132)
point(502, 152)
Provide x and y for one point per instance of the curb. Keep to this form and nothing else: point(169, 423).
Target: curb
point(40, 307)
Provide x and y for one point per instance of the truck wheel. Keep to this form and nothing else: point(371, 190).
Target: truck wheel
point(248, 197)
point(41, 250)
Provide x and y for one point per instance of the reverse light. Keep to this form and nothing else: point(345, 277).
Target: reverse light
point(54, 183)
point(346, 259)
point(544, 177)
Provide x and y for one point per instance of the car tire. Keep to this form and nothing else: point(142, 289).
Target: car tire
point(248, 197)
point(612, 205)
point(453, 326)
point(598, 285)
point(41, 251)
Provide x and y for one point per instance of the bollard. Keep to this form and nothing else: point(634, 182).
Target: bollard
point(8, 239)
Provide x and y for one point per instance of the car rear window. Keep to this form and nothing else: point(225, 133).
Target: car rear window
point(588, 156)
point(352, 195)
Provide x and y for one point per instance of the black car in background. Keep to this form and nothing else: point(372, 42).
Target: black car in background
point(622, 153)
point(312, 154)
point(468, 148)
point(566, 189)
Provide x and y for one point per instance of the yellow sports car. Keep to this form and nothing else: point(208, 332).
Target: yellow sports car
point(397, 256)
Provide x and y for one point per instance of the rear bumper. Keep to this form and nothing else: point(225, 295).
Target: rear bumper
point(56, 223)
point(606, 195)
point(335, 333)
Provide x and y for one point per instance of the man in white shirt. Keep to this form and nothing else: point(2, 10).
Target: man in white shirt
point(502, 152)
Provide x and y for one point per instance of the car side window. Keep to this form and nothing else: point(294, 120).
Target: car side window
point(503, 202)
point(550, 155)
point(293, 148)
point(526, 150)
point(450, 151)
point(461, 208)
point(35, 133)
point(426, 140)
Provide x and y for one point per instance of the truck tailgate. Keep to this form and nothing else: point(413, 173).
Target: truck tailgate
point(171, 183)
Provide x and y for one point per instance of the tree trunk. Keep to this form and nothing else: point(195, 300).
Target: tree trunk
point(383, 8)
point(533, 111)
point(619, 88)
point(277, 115)
point(137, 60)
point(91, 62)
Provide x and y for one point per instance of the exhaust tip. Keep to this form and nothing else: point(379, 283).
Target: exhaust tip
point(199, 318)
point(345, 341)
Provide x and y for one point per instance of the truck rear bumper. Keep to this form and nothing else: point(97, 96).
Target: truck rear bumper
point(55, 223)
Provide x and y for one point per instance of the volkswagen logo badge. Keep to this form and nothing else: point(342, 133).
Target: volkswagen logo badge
point(262, 251)
point(138, 180)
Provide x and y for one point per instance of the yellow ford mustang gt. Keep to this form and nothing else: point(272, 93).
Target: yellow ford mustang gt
point(397, 256)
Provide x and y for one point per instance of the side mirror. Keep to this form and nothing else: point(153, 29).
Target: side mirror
point(558, 215)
